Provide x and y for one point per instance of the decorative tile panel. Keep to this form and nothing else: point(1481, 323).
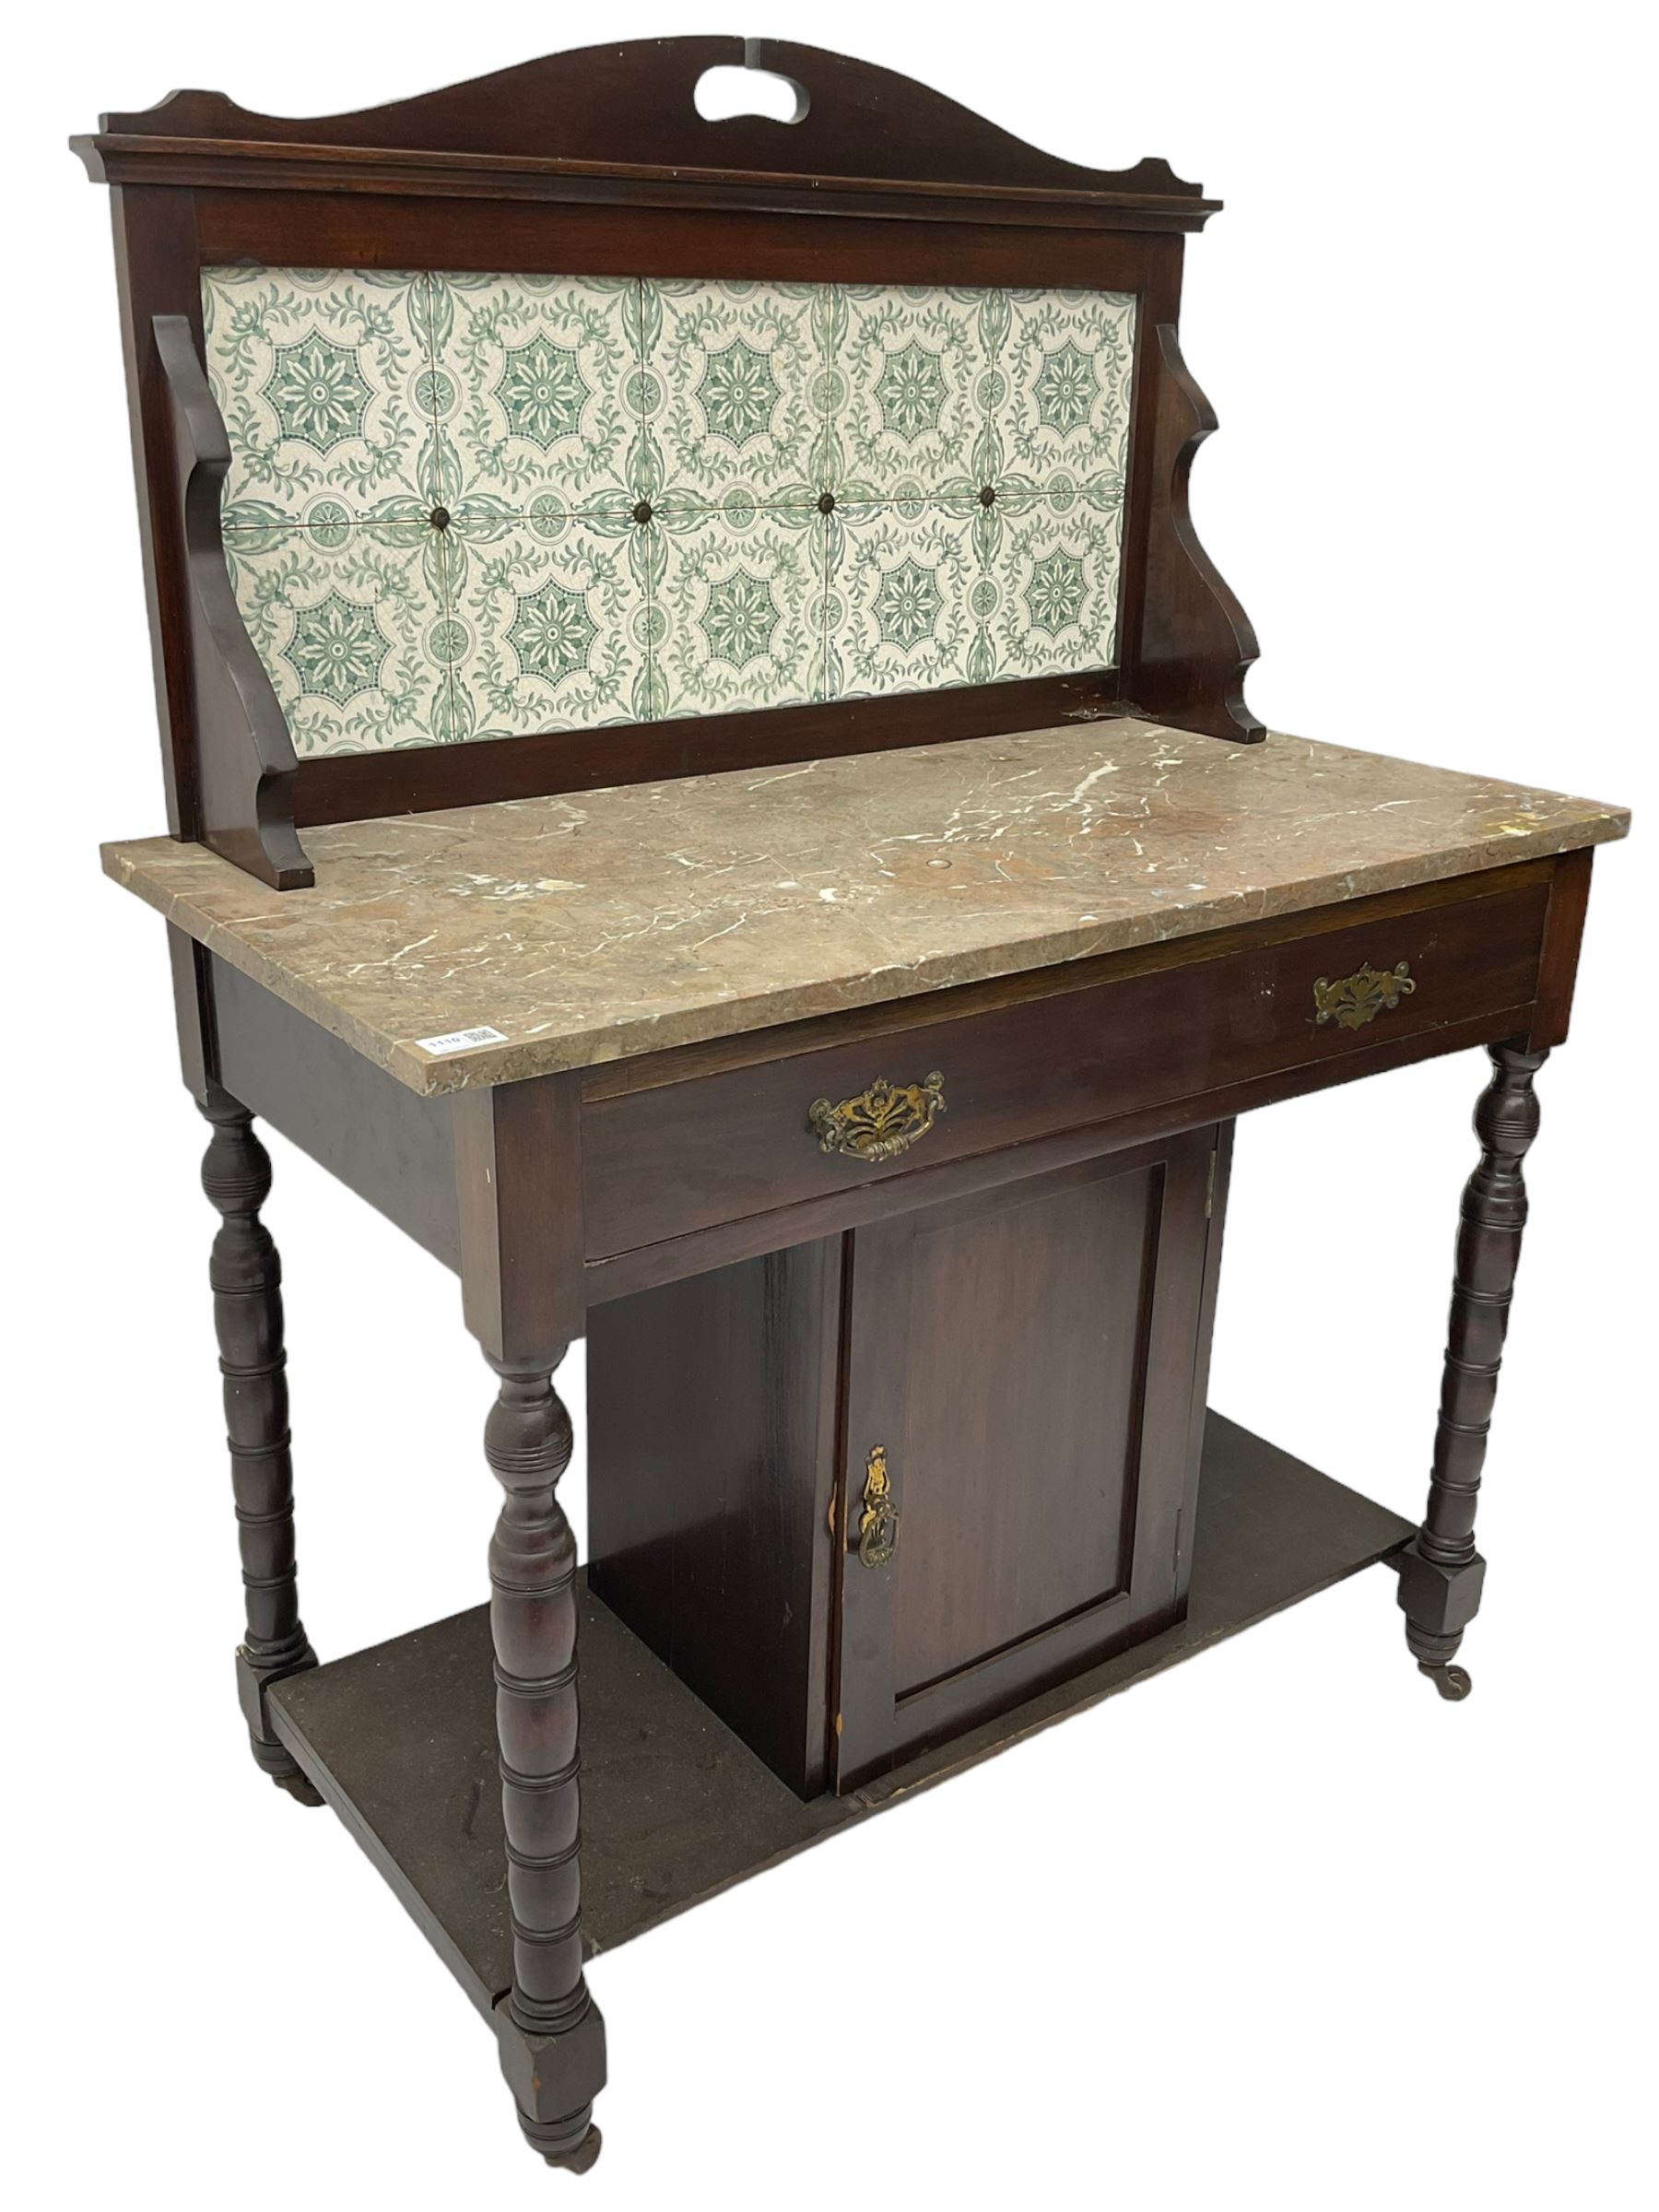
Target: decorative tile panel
point(351, 624)
point(903, 581)
point(468, 506)
point(732, 391)
point(551, 621)
point(1055, 568)
point(738, 613)
point(532, 383)
point(1067, 361)
point(910, 367)
point(320, 376)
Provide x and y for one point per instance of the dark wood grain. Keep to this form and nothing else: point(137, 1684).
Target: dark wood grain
point(518, 1192)
point(625, 114)
point(1218, 1182)
point(157, 273)
point(194, 1012)
point(816, 244)
point(665, 1162)
point(223, 167)
point(753, 1048)
point(596, 163)
point(1563, 936)
point(396, 1150)
point(712, 1410)
point(676, 1257)
point(246, 1275)
point(675, 1808)
point(1442, 1575)
point(423, 779)
point(1036, 1344)
point(552, 2036)
point(393, 1148)
point(1195, 642)
point(244, 757)
point(518, 1198)
point(1024, 1357)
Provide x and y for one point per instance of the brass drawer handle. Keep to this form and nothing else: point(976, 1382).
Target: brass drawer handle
point(879, 1122)
point(879, 1523)
point(1353, 1000)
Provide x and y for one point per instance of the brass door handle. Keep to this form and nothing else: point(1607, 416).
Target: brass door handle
point(878, 1522)
point(881, 1121)
point(1353, 1000)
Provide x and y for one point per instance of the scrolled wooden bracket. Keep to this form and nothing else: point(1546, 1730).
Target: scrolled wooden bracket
point(244, 757)
point(1196, 643)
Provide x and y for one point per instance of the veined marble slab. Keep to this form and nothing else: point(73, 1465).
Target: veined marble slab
point(591, 926)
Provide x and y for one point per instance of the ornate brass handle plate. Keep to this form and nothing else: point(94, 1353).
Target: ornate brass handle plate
point(1353, 1000)
point(879, 1122)
point(878, 1522)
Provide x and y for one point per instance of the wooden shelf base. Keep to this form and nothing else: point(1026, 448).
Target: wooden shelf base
point(400, 1739)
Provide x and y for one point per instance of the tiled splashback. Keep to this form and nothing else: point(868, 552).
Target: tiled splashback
point(472, 507)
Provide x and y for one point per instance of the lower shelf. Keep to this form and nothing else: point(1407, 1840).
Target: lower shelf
point(400, 1739)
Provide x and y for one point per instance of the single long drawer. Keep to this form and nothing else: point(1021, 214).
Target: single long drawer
point(685, 1155)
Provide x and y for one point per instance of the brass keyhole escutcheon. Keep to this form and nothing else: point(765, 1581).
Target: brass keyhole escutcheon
point(878, 1522)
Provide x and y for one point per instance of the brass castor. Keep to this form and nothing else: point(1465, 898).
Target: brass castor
point(1452, 1682)
point(582, 2158)
point(302, 1790)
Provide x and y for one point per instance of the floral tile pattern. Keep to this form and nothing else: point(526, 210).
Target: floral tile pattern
point(467, 506)
point(738, 614)
point(1054, 568)
point(910, 367)
point(731, 392)
point(320, 376)
point(1067, 361)
point(550, 622)
point(350, 621)
point(533, 389)
point(900, 613)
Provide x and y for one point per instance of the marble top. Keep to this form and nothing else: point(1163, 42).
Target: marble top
point(591, 926)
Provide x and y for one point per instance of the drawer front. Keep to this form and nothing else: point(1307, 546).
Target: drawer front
point(687, 1156)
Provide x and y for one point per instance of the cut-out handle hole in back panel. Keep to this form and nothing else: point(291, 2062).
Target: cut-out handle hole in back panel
point(727, 90)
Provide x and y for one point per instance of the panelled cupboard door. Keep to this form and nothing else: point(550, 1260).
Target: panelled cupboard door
point(1020, 1440)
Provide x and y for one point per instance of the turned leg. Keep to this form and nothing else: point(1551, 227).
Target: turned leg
point(246, 1275)
point(551, 2033)
point(1440, 1573)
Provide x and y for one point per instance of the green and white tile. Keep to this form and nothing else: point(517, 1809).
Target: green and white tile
point(321, 377)
point(532, 390)
point(1065, 369)
point(908, 374)
point(474, 506)
point(1055, 571)
point(737, 613)
point(551, 621)
point(731, 393)
point(352, 625)
point(902, 609)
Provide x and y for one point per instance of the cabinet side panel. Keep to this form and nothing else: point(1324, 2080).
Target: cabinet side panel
point(712, 1431)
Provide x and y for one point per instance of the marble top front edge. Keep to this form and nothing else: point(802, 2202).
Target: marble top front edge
point(594, 925)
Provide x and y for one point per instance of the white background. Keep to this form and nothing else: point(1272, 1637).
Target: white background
point(1279, 1928)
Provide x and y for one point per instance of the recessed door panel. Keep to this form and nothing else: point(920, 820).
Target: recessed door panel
point(1019, 1441)
point(1021, 1434)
